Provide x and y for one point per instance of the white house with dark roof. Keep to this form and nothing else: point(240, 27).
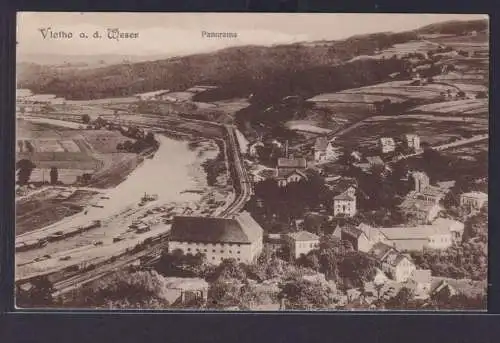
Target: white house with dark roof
point(412, 141)
point(387, 144)
point(285, 176)
point(473, 200)
point(397, 266)
point(239, 238)
point(323, 150)
point(302, 242)
point(344, 204)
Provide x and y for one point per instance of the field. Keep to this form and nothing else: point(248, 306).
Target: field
point(407, 48)
point(305, 126)
point(74, 153)
point(396, 91)
point(47, 207)
point(468, 152)
point(458, 107)
point(365, 136)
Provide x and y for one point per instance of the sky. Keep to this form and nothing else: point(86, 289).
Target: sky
point(173, 34)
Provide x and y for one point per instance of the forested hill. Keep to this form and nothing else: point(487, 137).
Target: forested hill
point(250, 65)
point(239, 71)
point(455, 27)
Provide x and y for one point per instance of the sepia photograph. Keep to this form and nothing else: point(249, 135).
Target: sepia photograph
point(252, 162)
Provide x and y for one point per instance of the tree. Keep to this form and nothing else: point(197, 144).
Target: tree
point(25, 168)
point(357, 268)
point(403, 300)
point(39, 295)
point(481, 95)
point(306, 295)
point(85, 118)
point(54, 175)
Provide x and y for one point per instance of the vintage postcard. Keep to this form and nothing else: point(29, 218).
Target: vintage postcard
point(257, 162)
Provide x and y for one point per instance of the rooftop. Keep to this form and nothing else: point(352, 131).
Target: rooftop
point(286, 172)
point(292, 162)
point(415, 232)
point(379, 250)
point(374, 160)
point(242, 229)
point(304, 236)
point(185, 283)
point(477, 195)
point(344, 196)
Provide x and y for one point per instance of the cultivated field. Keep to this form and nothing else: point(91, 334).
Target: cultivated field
point(74, 153)
point(459, 107)
point(306, 126)
point(433, 132)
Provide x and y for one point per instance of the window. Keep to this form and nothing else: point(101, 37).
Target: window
point(213, 250)
point(205, 250)
point(189, 249)
point(222, 251)
point(239, 259)
point(230, 252)
point(213, 257)
point(238, 252)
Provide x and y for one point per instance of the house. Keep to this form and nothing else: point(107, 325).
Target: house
point(455, 227)
point(442, 289)
point(397, 266)
point(387, 144)
point(178, 290)
point(290, 167)
point(302, 242)
point(375, 161)
point(440, 235)
point(420, 282)
point(474, 201)
point(344, 204)
point(422, 204)
point(240, 237)
point(285, 176)
point(323, 150)
point(412, 142)
point(274, 241)
point(357, 238)
point(253, 148)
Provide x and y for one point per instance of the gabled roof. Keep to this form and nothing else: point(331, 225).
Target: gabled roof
point(421, 232)
point(321, 144)
point(374, 160)
point(286, 172)
point(344, 196)
point(292, 162)
point(242, 229)
point(477, 195)
point(380, 250)
point(352, 231)
point(304, 236)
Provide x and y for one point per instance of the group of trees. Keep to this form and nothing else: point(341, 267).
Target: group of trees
point(466, 260)
point(291, 202)
point(338, 261)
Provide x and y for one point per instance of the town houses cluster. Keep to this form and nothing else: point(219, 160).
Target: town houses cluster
point(243, 239)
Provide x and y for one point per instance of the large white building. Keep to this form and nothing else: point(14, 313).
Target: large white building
point(302, 242)
point(239, 238)
point(473, 200)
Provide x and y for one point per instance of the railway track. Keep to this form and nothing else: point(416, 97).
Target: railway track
point(242, 186)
